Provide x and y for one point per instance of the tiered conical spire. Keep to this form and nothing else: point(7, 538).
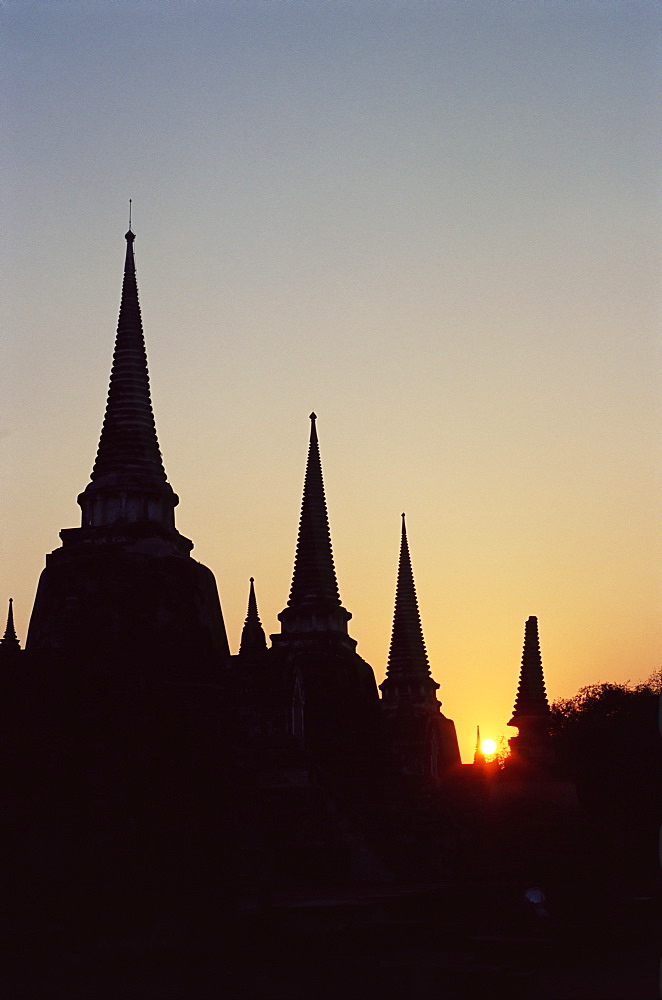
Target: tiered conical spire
point(425, 740)
point(314, 579)
point(407, 655)
point(531, 695)
point(128, 438)
point(9, 642)
point(253, 639)
point(128, 483)
point(314, 603)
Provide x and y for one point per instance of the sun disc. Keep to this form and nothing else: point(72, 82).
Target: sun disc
point(488, 747)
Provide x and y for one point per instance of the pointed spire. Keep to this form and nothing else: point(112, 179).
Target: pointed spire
point(479, 756)
point(314, 578)
point(531, 696)
point(128, 482)
point(128, 442)
point(407, 654)
point(253, 639)
point(408, 679)
point(314, 594)
point(425, 740)
point(9, 642)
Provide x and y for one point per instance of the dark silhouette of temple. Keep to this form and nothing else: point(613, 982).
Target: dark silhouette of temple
point(122, 591)
point(128, 687)
point(123, 594)
point(9, 644)
point(338, 701)
point(531, 746)
point(147, 771)
point(423, 738)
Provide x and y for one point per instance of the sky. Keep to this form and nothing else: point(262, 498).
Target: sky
point(434, 222)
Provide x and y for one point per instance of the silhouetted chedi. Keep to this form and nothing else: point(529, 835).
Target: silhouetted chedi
point(9, 644)
point(425, 740)
point(158, 772)
point(314, 604)
point(339, 688)
point(253, 639)
point(531, 713)
point(128, 479)
point(122, 589)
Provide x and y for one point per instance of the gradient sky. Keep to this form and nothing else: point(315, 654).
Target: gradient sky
point(436, 224)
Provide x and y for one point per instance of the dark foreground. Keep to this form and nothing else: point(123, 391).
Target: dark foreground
point(392, 942)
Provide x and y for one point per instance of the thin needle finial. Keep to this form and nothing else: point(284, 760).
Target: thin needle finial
point(129, 213)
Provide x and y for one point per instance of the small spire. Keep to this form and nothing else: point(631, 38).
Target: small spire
point(129, 215)
point(253, 639)
point(9, 642)
point(531, 698)
point(407, 654)
point(479, 756)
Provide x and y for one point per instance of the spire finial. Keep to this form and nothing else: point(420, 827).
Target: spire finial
point(129, 236)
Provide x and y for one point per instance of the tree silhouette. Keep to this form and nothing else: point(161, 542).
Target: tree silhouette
point(607, 740)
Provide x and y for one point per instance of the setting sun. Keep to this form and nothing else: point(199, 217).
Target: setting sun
point(488, 747)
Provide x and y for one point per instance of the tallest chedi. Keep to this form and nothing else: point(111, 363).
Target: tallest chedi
point(122, 590)
point(129, 492)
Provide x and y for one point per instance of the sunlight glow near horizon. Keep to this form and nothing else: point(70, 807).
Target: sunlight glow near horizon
point(435, 225)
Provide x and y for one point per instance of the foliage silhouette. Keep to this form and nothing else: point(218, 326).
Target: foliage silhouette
point(606, 740)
